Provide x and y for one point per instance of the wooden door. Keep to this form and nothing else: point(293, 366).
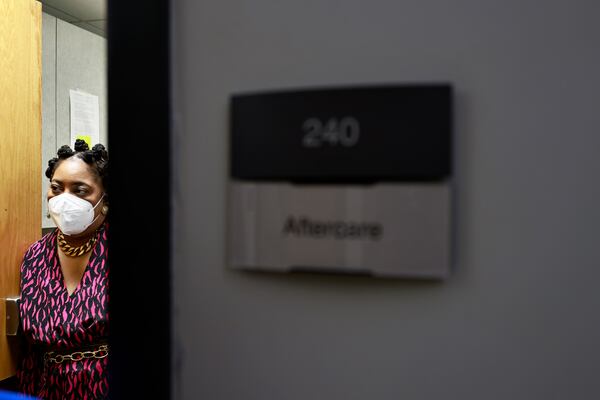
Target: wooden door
point(20, 149)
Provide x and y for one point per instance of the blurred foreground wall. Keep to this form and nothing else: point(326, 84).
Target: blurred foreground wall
point(518, 317)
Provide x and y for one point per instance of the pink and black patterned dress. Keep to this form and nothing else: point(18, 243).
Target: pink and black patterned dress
point(56, 323)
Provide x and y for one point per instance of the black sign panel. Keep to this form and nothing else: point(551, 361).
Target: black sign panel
point(363, 134)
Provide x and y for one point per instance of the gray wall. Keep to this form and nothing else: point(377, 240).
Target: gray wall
point(518, 319)
point(72, 58)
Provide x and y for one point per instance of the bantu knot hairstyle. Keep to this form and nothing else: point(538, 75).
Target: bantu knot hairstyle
point(97, 158)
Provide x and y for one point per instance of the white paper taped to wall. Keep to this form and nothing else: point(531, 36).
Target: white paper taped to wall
point(85, 117)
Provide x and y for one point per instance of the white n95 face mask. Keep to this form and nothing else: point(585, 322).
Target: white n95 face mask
point(71, 214)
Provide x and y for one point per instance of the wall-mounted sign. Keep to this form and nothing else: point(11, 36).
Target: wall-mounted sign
point(85, 117)
point(352, 180)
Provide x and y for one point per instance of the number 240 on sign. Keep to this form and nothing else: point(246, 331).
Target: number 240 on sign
point(344, 132)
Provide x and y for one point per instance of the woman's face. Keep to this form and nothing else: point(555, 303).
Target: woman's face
point(75, 177)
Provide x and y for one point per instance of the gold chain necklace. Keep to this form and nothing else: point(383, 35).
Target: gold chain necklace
point(75, 251)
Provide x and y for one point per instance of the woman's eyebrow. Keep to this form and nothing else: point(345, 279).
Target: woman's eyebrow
point(74, 183)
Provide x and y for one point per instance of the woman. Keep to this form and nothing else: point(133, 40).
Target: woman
point(64, 283)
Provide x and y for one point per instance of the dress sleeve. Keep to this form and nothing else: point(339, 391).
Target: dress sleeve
point(29, 368)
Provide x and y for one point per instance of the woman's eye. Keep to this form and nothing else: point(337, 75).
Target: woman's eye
point(55, 188)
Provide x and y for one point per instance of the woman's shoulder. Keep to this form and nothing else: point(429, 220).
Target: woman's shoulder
point(36, 248)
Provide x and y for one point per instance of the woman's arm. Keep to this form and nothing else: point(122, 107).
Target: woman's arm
point(30, 366)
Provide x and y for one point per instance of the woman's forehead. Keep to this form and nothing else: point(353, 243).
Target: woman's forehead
point(74, 169)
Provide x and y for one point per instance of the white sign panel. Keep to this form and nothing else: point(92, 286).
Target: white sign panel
point(387, 230)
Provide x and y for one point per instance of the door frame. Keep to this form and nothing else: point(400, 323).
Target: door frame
point(139, 193)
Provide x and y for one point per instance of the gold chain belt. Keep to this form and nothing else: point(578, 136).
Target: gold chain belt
point(52, 357)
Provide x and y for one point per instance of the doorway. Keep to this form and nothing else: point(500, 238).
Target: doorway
point(138, 134)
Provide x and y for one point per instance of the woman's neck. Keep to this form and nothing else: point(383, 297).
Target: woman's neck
point(79, 240)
